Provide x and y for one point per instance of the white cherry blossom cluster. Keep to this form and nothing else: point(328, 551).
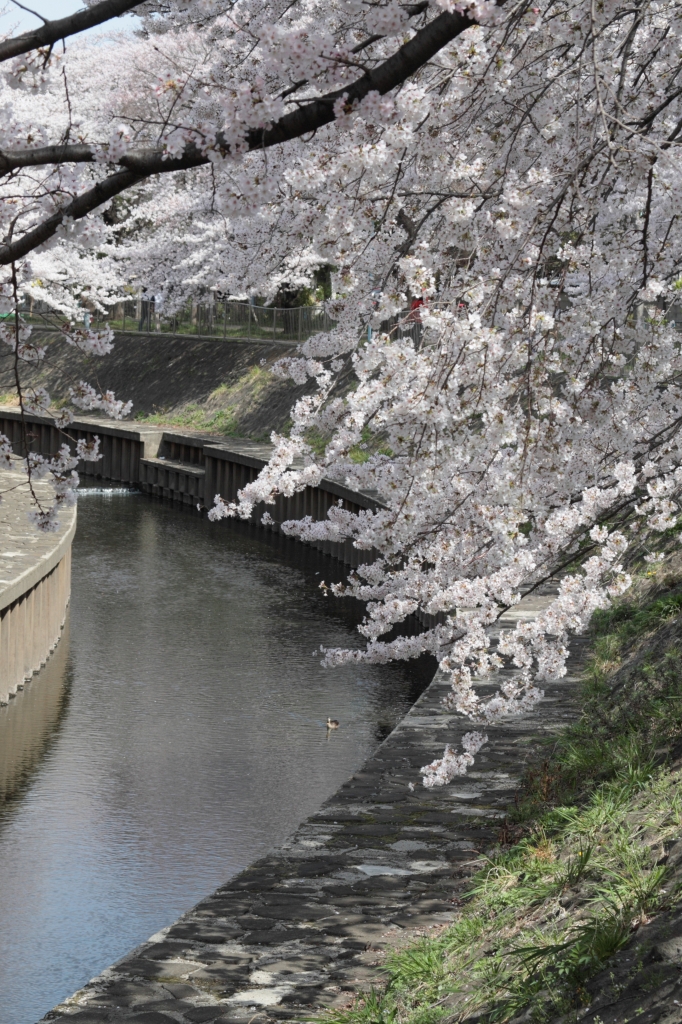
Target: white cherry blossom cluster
point(61, 470)
point(26, 350)
point(91, 342)
point(36, 400)
point(386, 19)
point(85, 396)
point(444, 769)
point(5, 452)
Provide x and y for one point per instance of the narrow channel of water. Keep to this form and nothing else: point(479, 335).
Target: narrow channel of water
point(176, 734)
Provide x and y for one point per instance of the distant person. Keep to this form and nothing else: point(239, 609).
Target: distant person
point(144, 313)
point(147, 311)
point(415, 317)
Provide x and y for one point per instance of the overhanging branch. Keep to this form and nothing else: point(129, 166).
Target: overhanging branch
point(79, 207)
point(52, 31)
point(140, 164)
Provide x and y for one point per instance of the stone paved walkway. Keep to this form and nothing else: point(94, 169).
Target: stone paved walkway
point(300, 929)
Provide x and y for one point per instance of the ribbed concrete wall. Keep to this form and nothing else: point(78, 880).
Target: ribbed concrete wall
point(27, 725)
point(35, 585)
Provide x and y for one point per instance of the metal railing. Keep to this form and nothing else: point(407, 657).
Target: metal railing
point(244, 321)
point(217, 319)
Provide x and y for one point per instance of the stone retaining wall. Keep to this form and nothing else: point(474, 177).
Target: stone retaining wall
point(35, 584)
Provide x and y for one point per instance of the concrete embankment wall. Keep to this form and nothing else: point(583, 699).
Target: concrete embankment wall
point(35, 585)
point(29, 725)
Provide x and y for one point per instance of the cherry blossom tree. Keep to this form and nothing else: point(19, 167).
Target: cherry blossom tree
point(516, 168)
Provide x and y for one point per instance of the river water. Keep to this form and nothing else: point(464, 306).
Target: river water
point(176, 734)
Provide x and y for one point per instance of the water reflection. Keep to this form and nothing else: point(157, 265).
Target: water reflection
point(29, 723)
point(192, 739)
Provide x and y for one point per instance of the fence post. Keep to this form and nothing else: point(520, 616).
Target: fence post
point(300, 318)
point(274, 321)
point(224, 320)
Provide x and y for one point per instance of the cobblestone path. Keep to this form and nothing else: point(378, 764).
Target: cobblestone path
point(300, 929)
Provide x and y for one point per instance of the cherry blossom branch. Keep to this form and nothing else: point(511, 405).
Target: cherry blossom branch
point(52, 31)
point(20, 394)
point(83, 204)
point(306, 119)
point(309, 117)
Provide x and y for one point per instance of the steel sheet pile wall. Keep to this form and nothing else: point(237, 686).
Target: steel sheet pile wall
point(189, 468)
point(177, 471)
point(121, 447)
point(192, 469)
point(228, 471)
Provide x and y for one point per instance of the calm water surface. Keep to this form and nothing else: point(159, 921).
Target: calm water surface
point(176, 734)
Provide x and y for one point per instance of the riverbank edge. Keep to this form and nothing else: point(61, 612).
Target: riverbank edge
point(192, 468)
point(33, 601)
point(306, 927)
point(186, 466)
point(383, 858)
point(314, 941)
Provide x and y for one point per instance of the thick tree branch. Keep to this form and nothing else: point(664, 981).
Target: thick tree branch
point(52, 31)
point(79, 207)
point(140, 164)
point(307, 118)
point(424, 45)
point(45, 155)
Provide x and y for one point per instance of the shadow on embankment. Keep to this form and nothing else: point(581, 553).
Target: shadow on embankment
point(222, 387)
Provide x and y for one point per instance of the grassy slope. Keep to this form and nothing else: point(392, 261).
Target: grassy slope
point(216, 386)
point(226, 408)
point(586, 860)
